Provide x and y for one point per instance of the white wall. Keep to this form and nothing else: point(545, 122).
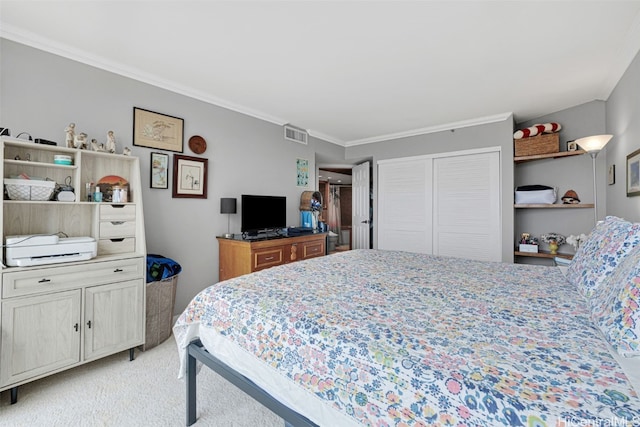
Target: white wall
point(623, 122)
point(41, 93)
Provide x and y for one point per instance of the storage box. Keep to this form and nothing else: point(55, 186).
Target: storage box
point(161, 298)
point(541, 144)
point(29, 189)
point(536, 197)
point(528, 248)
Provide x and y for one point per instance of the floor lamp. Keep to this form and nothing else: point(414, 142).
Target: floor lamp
point(228, 206)
point(593, 145)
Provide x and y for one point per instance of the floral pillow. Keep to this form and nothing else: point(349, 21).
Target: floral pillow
point(616, 306)
point(609, 242)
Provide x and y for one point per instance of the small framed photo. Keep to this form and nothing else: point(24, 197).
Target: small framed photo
point(572, 146)
point(611, 175)
point(159, 170)
point(633, 174)
point(159, 131)
point(189, 177)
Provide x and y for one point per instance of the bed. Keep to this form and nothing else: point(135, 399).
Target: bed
point(391, 338)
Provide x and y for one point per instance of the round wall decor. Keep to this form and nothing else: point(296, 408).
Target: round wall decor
point(197, 144)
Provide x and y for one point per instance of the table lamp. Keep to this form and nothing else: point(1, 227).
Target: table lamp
point(228, 206)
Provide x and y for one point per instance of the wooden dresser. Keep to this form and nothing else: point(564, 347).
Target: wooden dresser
point(238, 256)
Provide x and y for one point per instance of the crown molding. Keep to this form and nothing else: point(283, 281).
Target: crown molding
point(433, 129)
point(12, 33)
point(15, 34)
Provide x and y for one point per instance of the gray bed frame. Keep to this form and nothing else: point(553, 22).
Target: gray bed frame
point(197, 352)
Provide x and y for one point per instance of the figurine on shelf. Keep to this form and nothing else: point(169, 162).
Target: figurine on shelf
point(70, 138)
point(96, 146)
point(110, 146)
point(80, 141)
point(570, 198)
point(126, 151)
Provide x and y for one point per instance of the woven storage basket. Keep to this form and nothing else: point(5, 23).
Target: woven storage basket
point(29, 189)
point(305, 199)
point(542, 144)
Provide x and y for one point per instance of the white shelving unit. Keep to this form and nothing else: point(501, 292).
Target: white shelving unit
point(57, 316)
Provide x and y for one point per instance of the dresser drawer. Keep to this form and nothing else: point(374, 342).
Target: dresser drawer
point(117, 229)
point(118, 245)
point(312, 249)
point(117, 212)
point(49, 279)
point(268, 258)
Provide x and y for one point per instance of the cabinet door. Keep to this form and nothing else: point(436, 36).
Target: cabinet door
point(39, 335)
point(114, 318)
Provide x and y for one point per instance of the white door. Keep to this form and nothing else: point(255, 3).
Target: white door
point(466, 206)
point(361, 213)
point(404, 205)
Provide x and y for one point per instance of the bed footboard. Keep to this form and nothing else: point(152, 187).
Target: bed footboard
point(196, 351)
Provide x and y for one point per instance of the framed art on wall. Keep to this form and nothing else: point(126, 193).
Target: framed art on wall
point(302, 168)
point(159, 131)
point(159, 170)
point(633, 174)
point(189, 177)
point(611, 175)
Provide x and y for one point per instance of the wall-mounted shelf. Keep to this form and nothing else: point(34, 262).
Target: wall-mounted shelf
point(522, 159)
point(552, 206)
point(543, 254)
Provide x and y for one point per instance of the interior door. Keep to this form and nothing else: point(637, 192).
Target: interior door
point(361, 210)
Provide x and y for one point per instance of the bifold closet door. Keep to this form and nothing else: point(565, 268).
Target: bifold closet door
point(466, 206)
point(404, 205)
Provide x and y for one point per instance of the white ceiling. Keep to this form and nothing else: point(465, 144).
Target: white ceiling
point(350, 72)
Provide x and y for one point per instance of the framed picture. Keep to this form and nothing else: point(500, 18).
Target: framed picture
point(611, 176)
point(302, 168)
point(189, 176)
point(159, 170)
point(572, 146)
point(159, 131)
point(633, 174)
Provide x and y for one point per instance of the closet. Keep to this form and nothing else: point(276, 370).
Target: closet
point(445, 204)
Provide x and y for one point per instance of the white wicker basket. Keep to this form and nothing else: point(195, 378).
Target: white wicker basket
point(29, 189)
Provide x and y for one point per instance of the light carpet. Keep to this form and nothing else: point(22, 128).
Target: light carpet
point(145, 392)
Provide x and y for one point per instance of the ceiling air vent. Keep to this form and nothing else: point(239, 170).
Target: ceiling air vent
point(295, 134)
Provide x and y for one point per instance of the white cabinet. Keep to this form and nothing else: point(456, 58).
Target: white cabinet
point(60, 315)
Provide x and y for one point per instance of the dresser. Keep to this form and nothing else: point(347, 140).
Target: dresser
point(239, 256)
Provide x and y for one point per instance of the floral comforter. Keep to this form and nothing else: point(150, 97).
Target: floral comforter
point(403, 339)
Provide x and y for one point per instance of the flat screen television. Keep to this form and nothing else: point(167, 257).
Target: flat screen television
point(263, 213)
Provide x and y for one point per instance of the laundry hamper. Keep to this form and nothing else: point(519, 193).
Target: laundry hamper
point(162, 281)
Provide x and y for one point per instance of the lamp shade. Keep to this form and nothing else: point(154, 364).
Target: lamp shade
point(227, 205)
point(593, 143)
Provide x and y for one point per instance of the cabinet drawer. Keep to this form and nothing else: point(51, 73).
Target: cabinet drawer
point(118, 245)
point(110, 229)
point(34, 281)
point(268, 258)
point(117, 212)
point(313, 249)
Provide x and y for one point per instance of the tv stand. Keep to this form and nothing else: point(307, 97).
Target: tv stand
point(238, 256)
